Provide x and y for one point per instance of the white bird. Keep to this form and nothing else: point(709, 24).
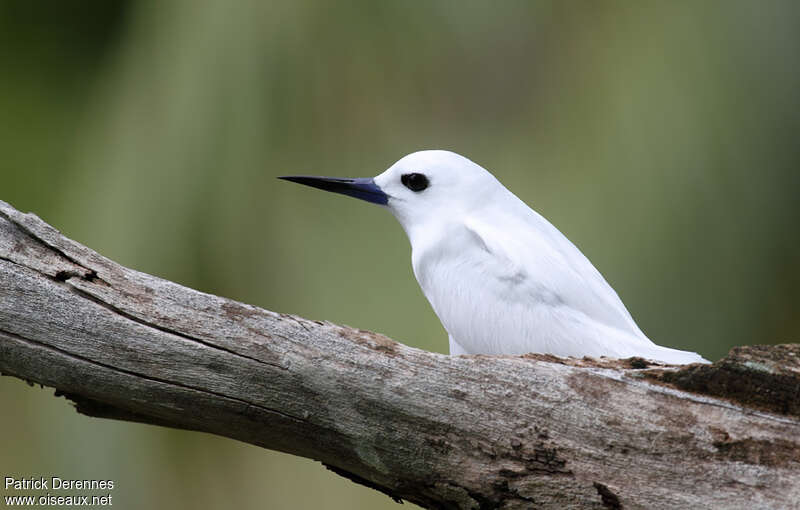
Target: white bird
point(501, 278)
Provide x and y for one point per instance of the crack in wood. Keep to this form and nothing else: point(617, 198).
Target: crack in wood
point(609, 499)
point(146, 377)
point(138, 320)
point(33, 236)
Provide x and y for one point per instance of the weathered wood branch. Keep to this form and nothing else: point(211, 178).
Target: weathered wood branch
point(441, 431)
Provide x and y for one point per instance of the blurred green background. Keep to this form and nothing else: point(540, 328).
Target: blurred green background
point(660, 137)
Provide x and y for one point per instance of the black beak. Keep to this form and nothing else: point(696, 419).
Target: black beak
point(361, 187)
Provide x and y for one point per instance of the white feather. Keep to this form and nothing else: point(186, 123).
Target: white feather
point(501, 278)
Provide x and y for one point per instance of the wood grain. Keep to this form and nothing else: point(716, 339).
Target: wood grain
point(462, 432)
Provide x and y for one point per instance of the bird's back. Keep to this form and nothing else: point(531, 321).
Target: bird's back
point(503, 280)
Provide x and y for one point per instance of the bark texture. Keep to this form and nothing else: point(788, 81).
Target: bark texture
point(531, 431)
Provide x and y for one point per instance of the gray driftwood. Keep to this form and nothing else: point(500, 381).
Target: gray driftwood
point(443, 432)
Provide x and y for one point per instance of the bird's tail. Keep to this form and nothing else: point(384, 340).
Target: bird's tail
point(675, 356)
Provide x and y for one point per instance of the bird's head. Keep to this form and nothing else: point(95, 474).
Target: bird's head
point(420, 186)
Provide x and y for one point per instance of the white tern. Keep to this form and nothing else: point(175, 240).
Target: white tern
point(501, 278)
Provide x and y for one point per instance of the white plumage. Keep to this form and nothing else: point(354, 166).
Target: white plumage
point(499, 276)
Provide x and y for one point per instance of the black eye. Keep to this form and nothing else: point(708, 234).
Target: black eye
point(414, 182)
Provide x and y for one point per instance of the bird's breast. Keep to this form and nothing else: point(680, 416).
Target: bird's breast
point(481, 299)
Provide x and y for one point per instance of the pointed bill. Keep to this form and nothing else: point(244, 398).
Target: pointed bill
point(363, 188)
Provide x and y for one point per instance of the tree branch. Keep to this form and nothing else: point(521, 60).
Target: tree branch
point(441, 431)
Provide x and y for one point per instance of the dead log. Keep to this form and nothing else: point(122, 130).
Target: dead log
point(531, 431)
